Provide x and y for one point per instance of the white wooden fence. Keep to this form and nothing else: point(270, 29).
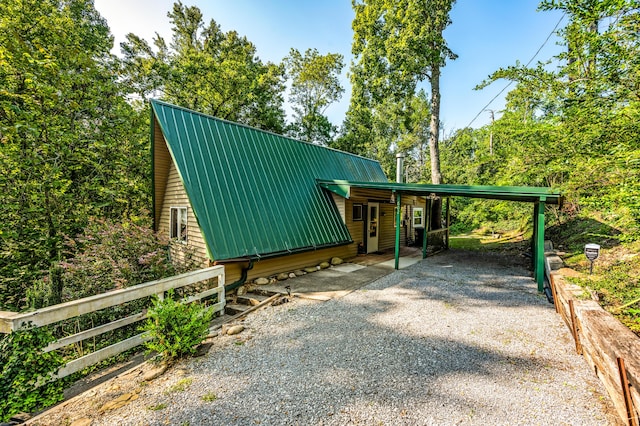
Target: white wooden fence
point(11, 321)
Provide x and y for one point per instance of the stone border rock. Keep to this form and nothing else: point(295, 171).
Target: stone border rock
point(283, 276)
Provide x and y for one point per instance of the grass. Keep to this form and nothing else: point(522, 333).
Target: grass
point(157, 407)
point(479, 240)
point(181, 385)
point(615, 281)
point(209, 396)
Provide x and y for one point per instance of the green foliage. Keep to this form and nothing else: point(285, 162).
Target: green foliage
point(71, 146)
point(617, 284)
point(315, 85)
point(181, 385)
point(574, 128)
point(209, 397)
point(397, 45)
point(24, 372)
point(176, 328)
point(108, 255)
point(157, 407)
point(207, 70)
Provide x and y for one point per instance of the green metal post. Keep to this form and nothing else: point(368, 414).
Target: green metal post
point(539, 266)
point(448, 219)
point(534, 241)
point(398, 225)
point(427, 223)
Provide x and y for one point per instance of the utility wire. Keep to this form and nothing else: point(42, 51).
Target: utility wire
point(511, 82)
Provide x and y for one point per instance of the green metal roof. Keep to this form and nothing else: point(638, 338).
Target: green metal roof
point(254, 193)
point(511, 193)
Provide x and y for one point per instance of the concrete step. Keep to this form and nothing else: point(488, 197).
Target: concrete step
point(235, 308)
point(251, 299)
point(222, 319)
point(262, 292)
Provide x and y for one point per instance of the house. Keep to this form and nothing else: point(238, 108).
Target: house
point(262, 203)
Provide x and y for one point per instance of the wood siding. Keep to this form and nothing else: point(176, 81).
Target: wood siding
point(387, 229)
point(356, 228)
point(268, 267)
point(341, 205)
point(175, 196)
point(161, 164)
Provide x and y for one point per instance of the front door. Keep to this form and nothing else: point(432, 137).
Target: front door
point(373, 230)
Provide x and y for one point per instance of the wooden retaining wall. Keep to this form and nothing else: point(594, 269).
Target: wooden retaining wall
point(610, 348)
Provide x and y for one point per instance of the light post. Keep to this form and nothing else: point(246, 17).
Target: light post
point(592, 251)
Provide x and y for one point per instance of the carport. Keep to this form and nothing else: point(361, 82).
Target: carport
point(538, 196)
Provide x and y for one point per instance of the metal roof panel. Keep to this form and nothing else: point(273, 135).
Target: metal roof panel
point(511, 193)
point(253, 192)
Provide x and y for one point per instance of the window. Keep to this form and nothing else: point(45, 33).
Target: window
point(357, 212)
point(418, 218)
point(178, 229)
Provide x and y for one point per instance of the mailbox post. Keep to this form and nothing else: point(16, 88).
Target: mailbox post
point(592, 251)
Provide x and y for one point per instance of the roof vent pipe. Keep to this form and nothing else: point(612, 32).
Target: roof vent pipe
point(399, 167)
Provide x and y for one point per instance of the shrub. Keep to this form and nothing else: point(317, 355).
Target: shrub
point(24, 370)
point(176, 328)
point(108, 255)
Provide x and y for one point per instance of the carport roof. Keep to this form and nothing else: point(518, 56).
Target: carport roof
point(530, 194)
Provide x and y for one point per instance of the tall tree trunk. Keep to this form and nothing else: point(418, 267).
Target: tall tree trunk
point(434, 127)
point(434, 151)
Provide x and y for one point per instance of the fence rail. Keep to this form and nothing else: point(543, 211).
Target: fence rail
point(11, 321)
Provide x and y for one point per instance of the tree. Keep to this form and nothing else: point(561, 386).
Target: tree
point(71, 147)
point(574, 127)
point(397, 45)
point(315, 85)
point(207, 70)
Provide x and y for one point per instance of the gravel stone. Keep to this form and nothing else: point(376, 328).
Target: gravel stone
point(459, 338)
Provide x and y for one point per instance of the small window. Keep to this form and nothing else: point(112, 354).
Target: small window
point(178, 224)
point(357, 212)
point(418, 217)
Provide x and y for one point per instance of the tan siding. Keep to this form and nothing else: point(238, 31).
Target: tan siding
point(371, 194)
point(268, 267)
point(387, 230)
point(340, 204)
point(416, 202)
point(175, 196)
point(356, 228)
point(161, 164)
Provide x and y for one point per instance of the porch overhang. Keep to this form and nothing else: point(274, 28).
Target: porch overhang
point(539, 196)
point(510, 193)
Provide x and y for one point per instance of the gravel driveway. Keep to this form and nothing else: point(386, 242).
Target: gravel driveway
point(460, 338)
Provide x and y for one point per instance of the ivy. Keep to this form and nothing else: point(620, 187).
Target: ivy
point(25, 372)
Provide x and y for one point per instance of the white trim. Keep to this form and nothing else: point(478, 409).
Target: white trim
point(420, 217)
point(182, 213)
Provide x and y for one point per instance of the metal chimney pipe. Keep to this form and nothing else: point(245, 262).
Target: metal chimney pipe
point(399, 167)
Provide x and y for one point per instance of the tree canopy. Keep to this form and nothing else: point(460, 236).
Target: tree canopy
point(70, 146)
point(207, 70)
point(397, 45)
point(574, 127)
point(315, 85)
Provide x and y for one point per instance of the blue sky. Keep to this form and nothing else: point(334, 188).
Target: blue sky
point(485, 34)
